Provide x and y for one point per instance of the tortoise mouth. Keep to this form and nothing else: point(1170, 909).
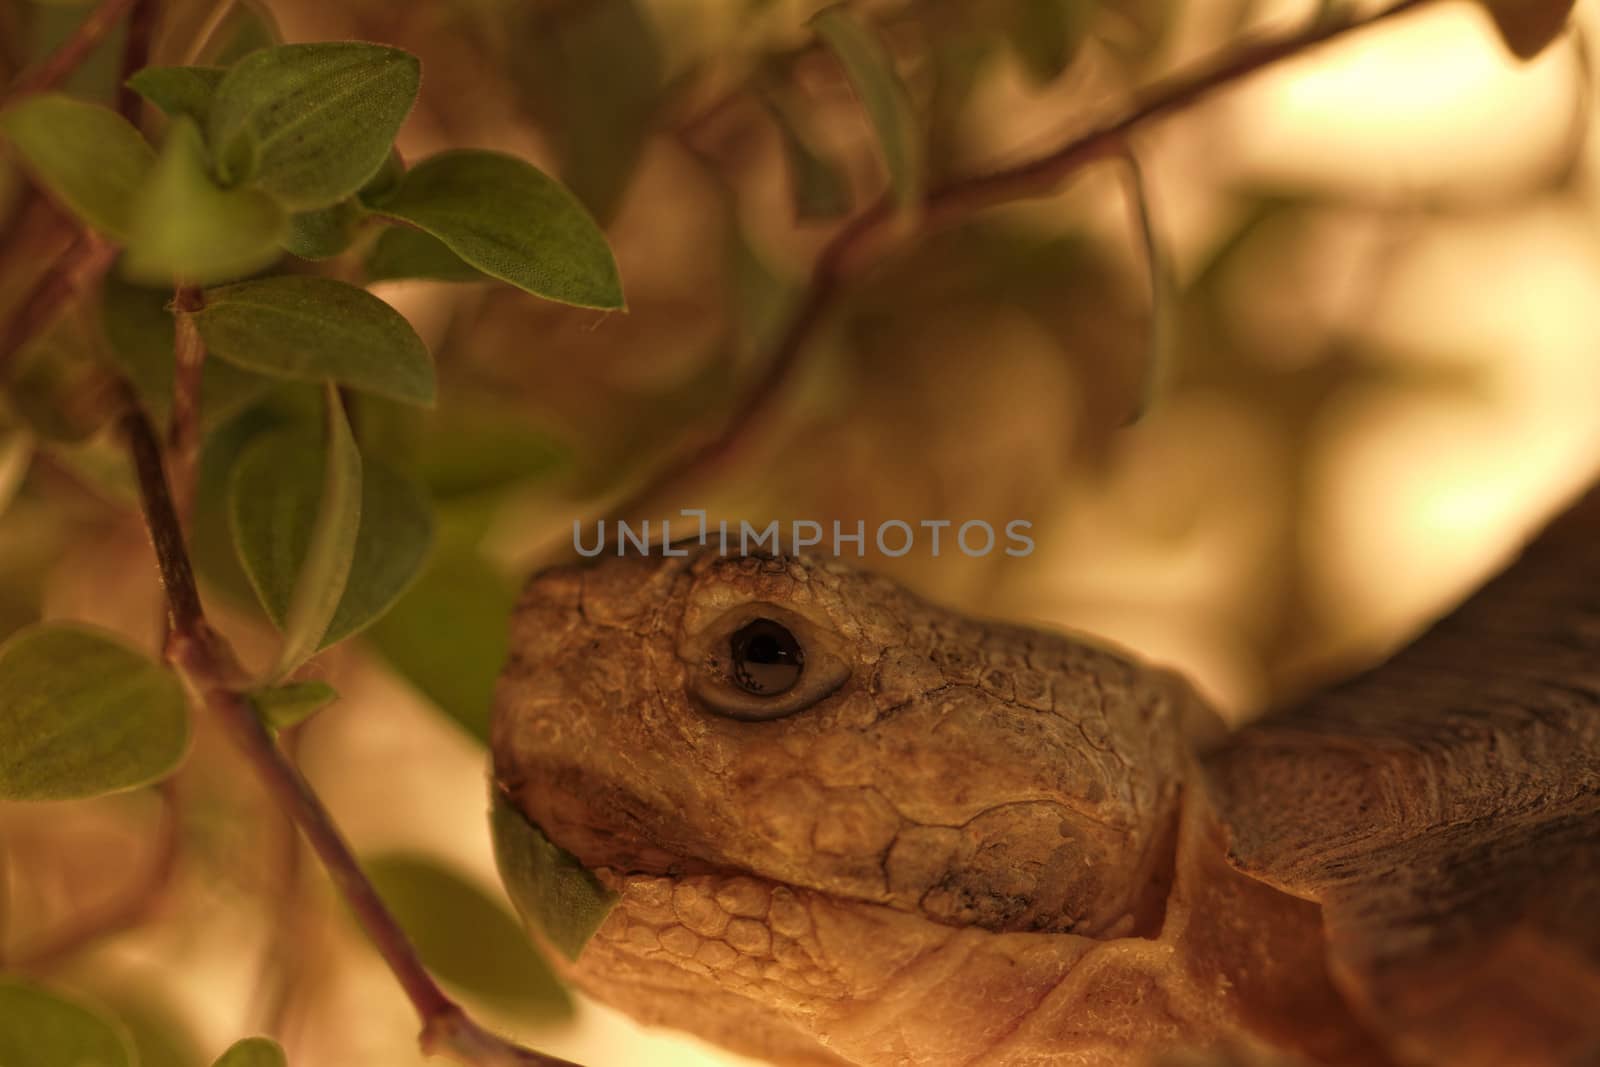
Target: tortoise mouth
point(619, 854)
point(626, 842)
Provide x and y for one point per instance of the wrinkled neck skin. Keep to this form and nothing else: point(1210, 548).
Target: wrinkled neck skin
point(989, 845)
point(804, 978)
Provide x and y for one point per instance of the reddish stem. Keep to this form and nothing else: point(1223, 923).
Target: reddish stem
point(209, 668)
point(69, 56)
point(960, 198)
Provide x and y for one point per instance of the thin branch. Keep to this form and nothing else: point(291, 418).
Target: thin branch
point(131, 907)
point(185, 618)
point(208, 29)
point(1159, 273)
point(55, 67)
point(83, 262)
point(183, 435)
point(209, 668)
point(88, 256)
point(135, 56)
point(962, 197)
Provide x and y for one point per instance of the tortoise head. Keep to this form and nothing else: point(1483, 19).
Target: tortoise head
point(733, 742)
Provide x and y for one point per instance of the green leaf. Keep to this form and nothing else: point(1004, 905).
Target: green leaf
point(1528, 27)
point(1164, 296)
point(283, 706)
point(42, 1029)
point(387, 177)
point(310, 123)
point(82, 714)
point(135, 995)
point(286, 405)
point(253, 1052)
point(466, 937)
point(392, 548)
point(324, 233)
point(402, 252)
point(592, 75)
point(324, 569)
point(511, 221)
point(184, 227)
point(871, 72)
point(456, 665)
point(557, 897)
point(316, 329)
point(88, 157)
point(477, 449)
point(248, 26)
point(275, 495)
point(1047, 34)
point(139, 326)
point(180, 92)
point(819, 188)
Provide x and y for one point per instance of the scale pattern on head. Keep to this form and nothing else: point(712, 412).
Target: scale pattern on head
point(974, 774)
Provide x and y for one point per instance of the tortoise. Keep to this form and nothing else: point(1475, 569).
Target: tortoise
point(848, 826)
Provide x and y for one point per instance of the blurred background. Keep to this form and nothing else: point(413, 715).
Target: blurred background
point(1382, 374)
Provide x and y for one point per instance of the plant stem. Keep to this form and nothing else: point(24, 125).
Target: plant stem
point(183, 435)
point(85, 260)
point(51, 70)
point(1037, 177)
point(210, 670)
point(88, 256)
point(135, 56)
point(1156, 269)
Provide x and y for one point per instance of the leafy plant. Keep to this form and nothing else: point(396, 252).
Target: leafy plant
point(205, 323)
point(282, 157)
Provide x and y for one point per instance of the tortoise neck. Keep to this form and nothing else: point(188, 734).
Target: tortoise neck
point(1262, 951)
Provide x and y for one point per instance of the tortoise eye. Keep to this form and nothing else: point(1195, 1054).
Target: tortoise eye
point(766, 658)
point(761, 661)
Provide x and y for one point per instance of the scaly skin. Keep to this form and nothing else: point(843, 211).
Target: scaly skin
point(985, 847)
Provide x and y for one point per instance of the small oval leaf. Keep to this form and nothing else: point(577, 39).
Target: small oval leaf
point(283, 706)
point(466, 937)
point(455, 666)
point(324, 233)
point(592, 76)
point(184, 228)
point(88, 157)
point(39, 1028)
point(392, 548)
point(557, 897)
point(274, 496)
point(402, 252)
point(882, 94)
point(310, 123)
point(316, 329)
point(180, 92)
point(510, 220)
point(819, 188)
point(82, 714)
point(324, 569)
point(1047, 34)
point(253, 1052)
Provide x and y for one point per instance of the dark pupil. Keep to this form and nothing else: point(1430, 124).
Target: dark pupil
point(766, 658)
